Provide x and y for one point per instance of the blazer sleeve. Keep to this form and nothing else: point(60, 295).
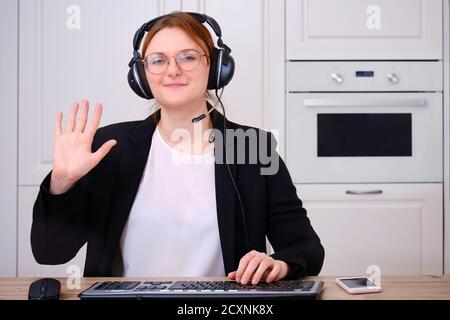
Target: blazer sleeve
point(288, 227)
point(61, 222)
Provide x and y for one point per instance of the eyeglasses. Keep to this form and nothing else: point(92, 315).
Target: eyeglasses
point(186, 60)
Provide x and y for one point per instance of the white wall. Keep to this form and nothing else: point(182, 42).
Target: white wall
point(8, 133)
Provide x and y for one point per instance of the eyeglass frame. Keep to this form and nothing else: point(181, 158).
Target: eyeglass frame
point(168, 60)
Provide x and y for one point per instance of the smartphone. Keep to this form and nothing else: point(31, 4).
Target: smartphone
point(355, 285)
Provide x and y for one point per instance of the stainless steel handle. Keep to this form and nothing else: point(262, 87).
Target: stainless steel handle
point(363, 192)
point(364, 102)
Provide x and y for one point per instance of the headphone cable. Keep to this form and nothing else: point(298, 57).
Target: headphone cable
point(244, 218)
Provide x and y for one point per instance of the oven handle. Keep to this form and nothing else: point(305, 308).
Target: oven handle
point(364, 102)
point(353, 192)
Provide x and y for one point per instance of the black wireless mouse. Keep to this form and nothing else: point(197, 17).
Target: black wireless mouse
point(44, 289)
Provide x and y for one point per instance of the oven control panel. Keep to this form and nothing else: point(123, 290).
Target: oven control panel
point(320, 76)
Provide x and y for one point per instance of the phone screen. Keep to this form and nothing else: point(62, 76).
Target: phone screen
point(358, 283)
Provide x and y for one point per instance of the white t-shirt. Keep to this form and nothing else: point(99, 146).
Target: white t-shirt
point(172, 228)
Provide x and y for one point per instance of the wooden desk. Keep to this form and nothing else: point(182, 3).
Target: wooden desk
point(394, 288)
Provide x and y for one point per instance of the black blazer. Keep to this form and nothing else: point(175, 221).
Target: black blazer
point(96, 209)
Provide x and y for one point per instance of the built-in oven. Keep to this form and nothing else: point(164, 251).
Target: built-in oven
point(364, 121)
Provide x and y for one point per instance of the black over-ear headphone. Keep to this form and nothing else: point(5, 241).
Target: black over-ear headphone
point(221, 63)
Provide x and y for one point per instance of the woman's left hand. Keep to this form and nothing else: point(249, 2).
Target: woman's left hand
point(256, 266)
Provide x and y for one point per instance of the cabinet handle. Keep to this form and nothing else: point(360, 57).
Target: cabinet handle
point(364, 192)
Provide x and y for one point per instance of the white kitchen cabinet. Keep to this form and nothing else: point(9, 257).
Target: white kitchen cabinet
point(400, 229)
point(363, 29)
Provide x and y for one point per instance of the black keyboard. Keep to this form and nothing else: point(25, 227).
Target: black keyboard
point(201, 289)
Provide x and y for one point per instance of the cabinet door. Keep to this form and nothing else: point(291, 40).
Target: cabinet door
point(395, 226)
point(245, 30)
point(363, 29)
point(69, 51)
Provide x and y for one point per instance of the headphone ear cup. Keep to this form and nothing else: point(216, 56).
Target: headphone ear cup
point(224, 72)
point(227, 70)
point(213, 69)
point(138, 81)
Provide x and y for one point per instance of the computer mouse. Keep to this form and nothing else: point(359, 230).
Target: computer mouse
point(44, 289)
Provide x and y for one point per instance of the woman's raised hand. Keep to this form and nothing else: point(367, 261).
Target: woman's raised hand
point(72, 154)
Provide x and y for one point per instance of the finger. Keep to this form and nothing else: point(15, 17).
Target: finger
point(263, 266)
point(243, 264)
point(95, 122)
point(273, 275)
point(266, 274)
point(82, 119)
point(72, 118)
point(58, 123)
point(103, 151)
point(232, 275)
point(250, 270)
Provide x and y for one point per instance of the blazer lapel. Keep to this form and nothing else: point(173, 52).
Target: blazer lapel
point(132, 164)
point(225, 200)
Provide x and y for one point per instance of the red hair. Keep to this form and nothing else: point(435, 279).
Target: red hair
point(191, 26)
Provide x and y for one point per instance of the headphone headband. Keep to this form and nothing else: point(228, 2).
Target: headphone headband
point(139, 35)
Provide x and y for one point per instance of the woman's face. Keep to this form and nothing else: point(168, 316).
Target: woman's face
point(174, 87)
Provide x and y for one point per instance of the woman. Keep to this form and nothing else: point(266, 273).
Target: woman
point(142, 211)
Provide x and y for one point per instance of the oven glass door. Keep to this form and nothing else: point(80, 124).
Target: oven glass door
point(364, 134)
point(364, 137)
